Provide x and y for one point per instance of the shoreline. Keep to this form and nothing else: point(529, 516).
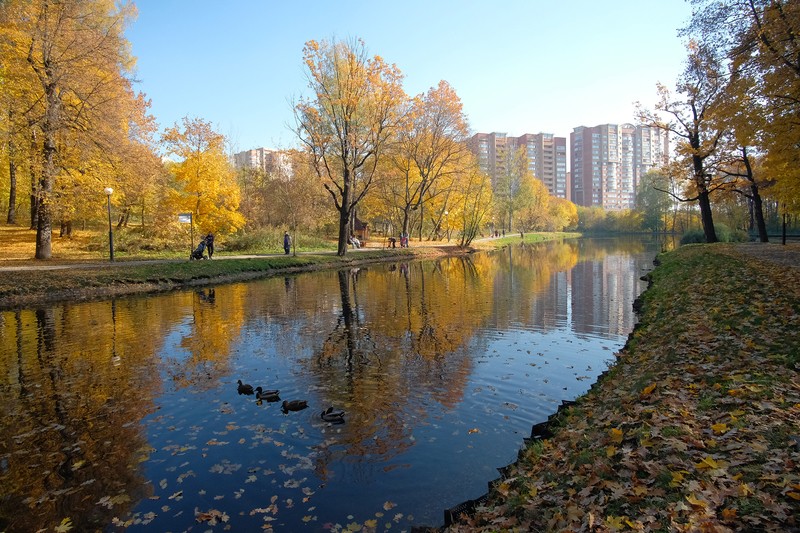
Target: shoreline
point(28, 286)
point(695, 426)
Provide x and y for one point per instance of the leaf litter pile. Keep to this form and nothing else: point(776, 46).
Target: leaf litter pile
point(694, 428)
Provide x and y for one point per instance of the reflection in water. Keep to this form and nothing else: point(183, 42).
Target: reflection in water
point(126, 412)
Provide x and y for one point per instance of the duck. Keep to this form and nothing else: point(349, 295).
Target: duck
point(332, 415)
point(270, 395)
point(244, 388)
point(294, 405)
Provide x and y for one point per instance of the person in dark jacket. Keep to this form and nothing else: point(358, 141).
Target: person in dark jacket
point(210, 244)
point(287, 243)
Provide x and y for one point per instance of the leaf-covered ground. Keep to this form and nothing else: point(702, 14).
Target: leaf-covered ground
point(697, 425)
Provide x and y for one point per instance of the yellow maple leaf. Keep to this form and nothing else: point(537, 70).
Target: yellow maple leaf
point(616, 435)
point(707, 462)
point(503, 488)
point(614, 522)
point(677, 479)
point(611, 451)
point(647, 390)
point(696, 502)
point(720, 428)
point(793, 495)
point(729, 514)
point(745, 490)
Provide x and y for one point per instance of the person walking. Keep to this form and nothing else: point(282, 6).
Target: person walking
point(210, 245)
point(287, 243)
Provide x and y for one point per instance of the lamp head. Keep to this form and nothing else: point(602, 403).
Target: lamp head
point(109, 191)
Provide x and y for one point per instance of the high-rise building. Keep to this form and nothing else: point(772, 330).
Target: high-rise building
point(272, 161)
point(545, 156)
point(607, 162)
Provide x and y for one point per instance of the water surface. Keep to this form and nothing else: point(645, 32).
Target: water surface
point(125, 413)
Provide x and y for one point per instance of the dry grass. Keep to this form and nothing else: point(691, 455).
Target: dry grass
point(19, 246)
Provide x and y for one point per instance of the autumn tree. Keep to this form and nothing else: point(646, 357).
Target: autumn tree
point(472, 204)
point(533, 204)
point(653, 200)
point(511, 189)
point(431, 146)
point(349, 120)
point(563, 214)
point(759, 41)
point(77, 57)
point(204, 180)
point(690, 118)
point(297, 195)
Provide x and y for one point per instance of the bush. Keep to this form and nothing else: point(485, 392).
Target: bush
point(135, 239)
point(270, 241)
point(724, 234)
point(261, 240)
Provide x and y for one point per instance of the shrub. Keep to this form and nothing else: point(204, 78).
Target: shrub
point(724, 234)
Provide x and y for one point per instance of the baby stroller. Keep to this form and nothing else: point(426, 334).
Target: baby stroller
point(198, 252)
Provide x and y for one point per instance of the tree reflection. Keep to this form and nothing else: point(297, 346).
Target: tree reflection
point(67, 439)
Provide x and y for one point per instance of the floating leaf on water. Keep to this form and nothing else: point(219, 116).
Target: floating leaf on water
point(64, 526)
point(387, 505)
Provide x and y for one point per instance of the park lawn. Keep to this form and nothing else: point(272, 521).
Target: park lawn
point(696, 427)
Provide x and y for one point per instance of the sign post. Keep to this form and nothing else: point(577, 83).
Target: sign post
point(186, 218)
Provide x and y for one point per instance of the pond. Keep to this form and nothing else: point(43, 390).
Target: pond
point(125, 414)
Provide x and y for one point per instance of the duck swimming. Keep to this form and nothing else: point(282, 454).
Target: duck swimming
point(270, 395)
point(332, 415)
point(244, 388)
point(294, 405)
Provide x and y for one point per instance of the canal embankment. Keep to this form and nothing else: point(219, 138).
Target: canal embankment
point(44, 283)
point(695, 426)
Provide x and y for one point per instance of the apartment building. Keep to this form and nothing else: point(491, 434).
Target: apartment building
point(545, 156)
point(271, 161)
point(607, 162)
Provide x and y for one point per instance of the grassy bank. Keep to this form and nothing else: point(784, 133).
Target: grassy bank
point(74, 276)
point(51, 283)
point(697, 425)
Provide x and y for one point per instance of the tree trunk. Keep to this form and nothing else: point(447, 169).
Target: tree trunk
point(12, 186)
point(11, 218)
point(44, 213)
point(344, 230)
point(758, 211)
point(758, 208)
point(34, 187)
point(704, 197)
point(344, 213)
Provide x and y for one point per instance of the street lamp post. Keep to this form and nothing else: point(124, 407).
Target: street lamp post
point(109, 191)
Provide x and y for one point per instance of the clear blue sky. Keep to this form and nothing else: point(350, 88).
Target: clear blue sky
point(520, 66)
